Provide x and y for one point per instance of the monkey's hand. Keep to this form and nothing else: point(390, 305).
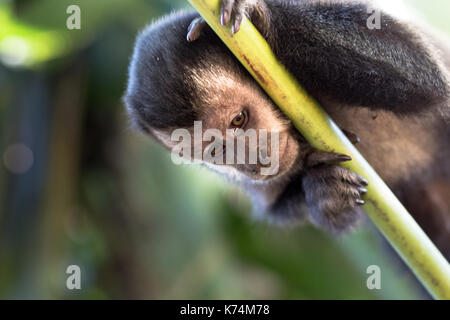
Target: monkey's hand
point(332, 193)
point(234, 11)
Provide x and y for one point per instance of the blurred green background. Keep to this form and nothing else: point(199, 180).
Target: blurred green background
point(77, 186)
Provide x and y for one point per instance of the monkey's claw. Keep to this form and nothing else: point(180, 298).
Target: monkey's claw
point(225, 11)
point(351, 136)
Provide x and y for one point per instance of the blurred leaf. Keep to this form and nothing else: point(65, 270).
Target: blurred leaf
point(23, 45)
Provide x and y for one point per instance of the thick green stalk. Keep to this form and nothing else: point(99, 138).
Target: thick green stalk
point(382, 206)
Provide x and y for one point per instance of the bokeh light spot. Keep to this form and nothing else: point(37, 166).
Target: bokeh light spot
point(18, 158)
point(14, 51)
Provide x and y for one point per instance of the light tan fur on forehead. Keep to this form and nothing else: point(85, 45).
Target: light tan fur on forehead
point(223, 93)
point(212, 81)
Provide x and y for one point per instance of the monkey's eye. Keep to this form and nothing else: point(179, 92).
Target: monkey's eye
point(240, 120)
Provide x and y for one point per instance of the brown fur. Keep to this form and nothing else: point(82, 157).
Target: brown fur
point(399, 109)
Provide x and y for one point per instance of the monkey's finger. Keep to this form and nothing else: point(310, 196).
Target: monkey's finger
point(323, 157)
point(352, 178)
point(363, 181)
point(195, 29)
point(353, 194)
point(351, 136)
point(237, 20)
point(225, 11)
point(362, 190)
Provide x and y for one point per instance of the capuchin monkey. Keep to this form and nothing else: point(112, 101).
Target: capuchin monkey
point(387, 87)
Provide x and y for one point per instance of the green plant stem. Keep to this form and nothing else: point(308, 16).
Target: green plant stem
point(382, 206)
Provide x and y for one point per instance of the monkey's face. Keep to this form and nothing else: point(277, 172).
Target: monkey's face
point(201, 104)
point(239, 133)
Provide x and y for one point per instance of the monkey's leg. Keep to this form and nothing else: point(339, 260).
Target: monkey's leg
point(332, 193)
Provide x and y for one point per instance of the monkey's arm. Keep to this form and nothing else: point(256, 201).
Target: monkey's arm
point(330, 49)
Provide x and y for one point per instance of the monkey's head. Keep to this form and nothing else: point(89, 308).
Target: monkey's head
point(174, 84)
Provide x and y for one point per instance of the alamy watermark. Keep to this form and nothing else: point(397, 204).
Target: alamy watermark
point(374, 280)
point(73, 21)
point(374, 20)
point(73, 281)
point(249, 147)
